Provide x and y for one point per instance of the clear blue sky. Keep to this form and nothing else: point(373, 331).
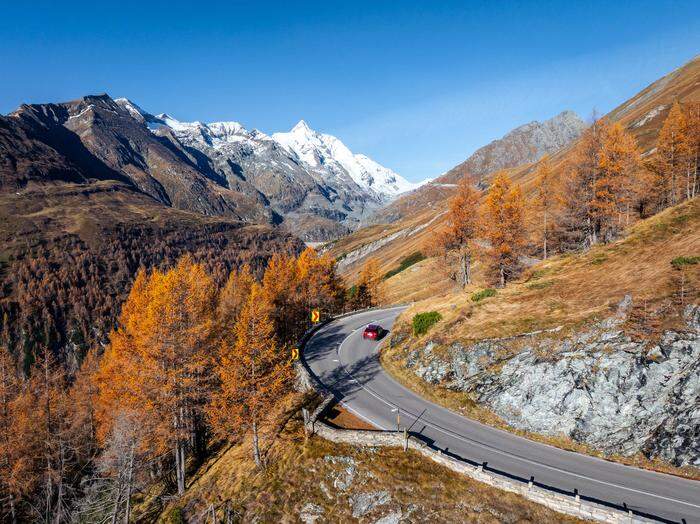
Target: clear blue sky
point(416, 86)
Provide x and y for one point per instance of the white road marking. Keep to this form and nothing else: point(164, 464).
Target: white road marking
point(505, 453)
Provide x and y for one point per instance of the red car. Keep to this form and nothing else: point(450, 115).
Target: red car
point(373, 332)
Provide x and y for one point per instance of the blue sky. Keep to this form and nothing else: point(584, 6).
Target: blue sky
point(418, 86)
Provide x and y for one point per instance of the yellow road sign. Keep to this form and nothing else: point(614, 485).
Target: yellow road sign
point(315, 315)
point(295, 353)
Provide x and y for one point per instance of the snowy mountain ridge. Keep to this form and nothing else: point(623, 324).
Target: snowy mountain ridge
point(311, 181)
point(322, 153)
point(323, 150)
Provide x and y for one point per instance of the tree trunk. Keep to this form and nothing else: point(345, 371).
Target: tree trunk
point(464, 268)
point(503, 276)
point(544, 247)
point(59, 498)
point(115, 511)
point(47, 407)
point(181, 483)
point(256, 445)
point(180, 467)
point(129, 481)
point(468, 268)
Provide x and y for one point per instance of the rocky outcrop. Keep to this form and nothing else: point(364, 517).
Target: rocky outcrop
point(524, 144)
point(598, 386)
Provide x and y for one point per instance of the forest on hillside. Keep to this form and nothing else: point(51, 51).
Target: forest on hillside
point(193, 362)
point(604, 186)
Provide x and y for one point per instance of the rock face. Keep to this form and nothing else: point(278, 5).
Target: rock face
point(97, 139)
point(524, 144)
point(598, 387)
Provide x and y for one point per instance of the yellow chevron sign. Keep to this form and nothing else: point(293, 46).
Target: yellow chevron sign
point(295, 353)
point(315, 315)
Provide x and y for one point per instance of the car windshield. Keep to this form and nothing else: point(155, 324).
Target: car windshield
point(372, 327)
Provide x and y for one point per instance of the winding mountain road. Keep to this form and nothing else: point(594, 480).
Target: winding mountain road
point(349, 366)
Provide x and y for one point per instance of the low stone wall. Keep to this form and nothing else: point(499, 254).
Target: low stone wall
point(568, 505)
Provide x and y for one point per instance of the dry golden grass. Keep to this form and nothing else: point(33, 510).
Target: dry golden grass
point(422, 490)
point(421, 281)
point(566, 291)
point(571, 289)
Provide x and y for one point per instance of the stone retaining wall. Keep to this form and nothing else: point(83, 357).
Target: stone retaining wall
point(568, 505)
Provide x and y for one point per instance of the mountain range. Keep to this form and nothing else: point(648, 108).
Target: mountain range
point(308, 181)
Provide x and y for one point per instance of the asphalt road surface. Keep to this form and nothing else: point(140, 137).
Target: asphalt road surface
point(349, 366)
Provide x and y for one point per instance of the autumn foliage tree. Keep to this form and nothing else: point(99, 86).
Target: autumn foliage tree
point(545, 199)
point(9, 389)
point(503, 227)
point(672, 158)
point(615, 189)
point(462, 226)
point(693, 120)
point(254, 372)
point(600, 186)
point(159, 361)
point(319, 285)
point(369, 290)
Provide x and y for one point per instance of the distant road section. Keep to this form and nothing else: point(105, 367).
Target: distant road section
point(349, 366)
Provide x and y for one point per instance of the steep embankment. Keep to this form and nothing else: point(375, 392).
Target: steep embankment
point(643, 115)
point(313, 480)
point(601, 348)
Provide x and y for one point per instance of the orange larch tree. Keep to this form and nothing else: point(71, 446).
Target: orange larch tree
point(693, 120)
point(254, 373)
point(584, 197)
point(232, 298)
point(9, 389)
point(614, 190)
point(320, 287)
point(462, 225)
point(281, 290)
point(159, 361)
point(369, 290)
point(545, 199)
point(672, 157)
point(503, 227)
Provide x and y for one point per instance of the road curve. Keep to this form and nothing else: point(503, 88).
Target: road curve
point(349, 366)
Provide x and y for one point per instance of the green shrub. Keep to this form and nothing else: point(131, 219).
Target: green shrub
point(484, 293)
point(422, 322)
point(599, 259)
point(175, 516)
point(680, 262)
point(542, 284)
point(405, 263)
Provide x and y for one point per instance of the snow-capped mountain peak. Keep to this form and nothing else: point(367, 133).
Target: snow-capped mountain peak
point(302, 128)
point(321, 150)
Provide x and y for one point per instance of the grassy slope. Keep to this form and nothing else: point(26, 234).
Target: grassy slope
point(420, 489)
point(565, 291)
point(420, 207)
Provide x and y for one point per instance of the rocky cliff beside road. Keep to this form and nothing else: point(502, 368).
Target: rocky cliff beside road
point(597, 386)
